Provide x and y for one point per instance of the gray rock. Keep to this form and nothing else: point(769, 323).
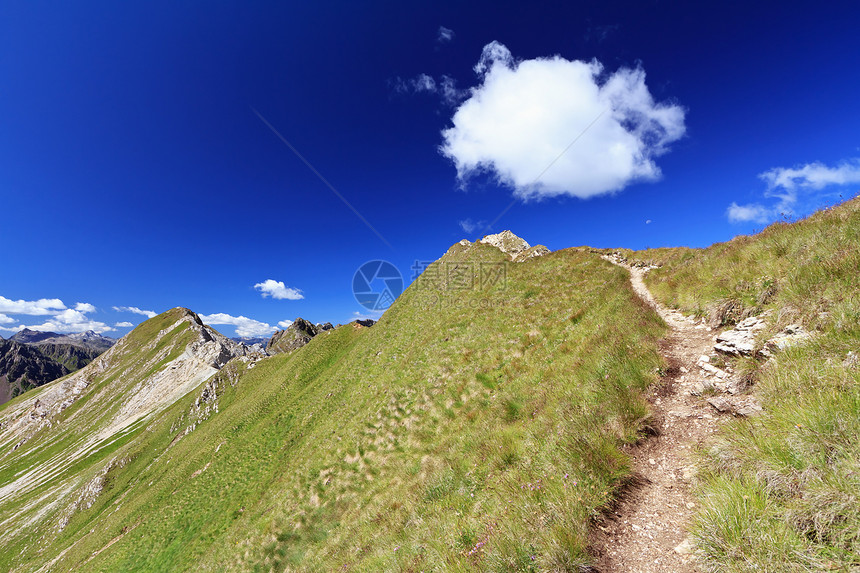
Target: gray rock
point(741, 339)
point(791, 335)
point(517, 248)
point(720, 403)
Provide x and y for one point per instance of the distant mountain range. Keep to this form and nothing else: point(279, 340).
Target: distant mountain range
point(30, 358)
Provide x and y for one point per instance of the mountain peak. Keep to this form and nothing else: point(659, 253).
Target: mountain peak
point(516, 247)
point(506, 242)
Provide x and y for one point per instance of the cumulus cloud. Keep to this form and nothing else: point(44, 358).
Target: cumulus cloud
point(285, 323)
point(244, 326)
point(70, 320)
point(444, 35)
point(135, 310)
point(790, 185)
point(124, 324)
point(278, 290)
point(524, 121)
point(59, 317)
point(41, 307)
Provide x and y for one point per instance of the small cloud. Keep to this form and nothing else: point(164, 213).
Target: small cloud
point(814, 176)
point(284, 323)
point(523, 122)
point(444, 35)
point(754, 212)
point(6, 320)
point(804, 184)
point(470, 226)
point(244, 326)
point(41, 307)
point(135, 310)
point(445, 87)
point(85, 307)
point(648, 222)
point(123, 324)
point(278, 290)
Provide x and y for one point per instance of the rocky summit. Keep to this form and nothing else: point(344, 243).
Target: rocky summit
point(510, 244)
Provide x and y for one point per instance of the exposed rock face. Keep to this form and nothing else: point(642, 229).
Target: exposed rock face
point(741, 339)
point(518, 249)
point(296, 335)
point(23, 367)
point(204, 355)
point(791, 335)
point(141, 375)
point(31, 358)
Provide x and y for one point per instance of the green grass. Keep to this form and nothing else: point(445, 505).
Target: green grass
point(470, 430)
point(781, 491)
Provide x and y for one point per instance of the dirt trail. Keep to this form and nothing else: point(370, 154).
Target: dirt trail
point(647, 530)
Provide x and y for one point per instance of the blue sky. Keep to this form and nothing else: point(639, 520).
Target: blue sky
point(140, 165)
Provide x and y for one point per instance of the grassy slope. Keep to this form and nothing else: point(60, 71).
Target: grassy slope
point(476, 431)
point(781, 492)
point(29, 521)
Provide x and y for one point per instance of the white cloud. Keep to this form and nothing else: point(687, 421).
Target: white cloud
point(278, 290)
point(469, 226)
point(70, 320)
point(648, 222)
point(522, 124)
point(6, 320)
point(124, 324)
point(444, 35)
point(745, 213)
point(285, 323)
point(418, 84)
point(244, 326)
point(812, 176)
point(791, 184)
point(135, 310)
point(41, 307)
point(61, 318)
point(445, 87)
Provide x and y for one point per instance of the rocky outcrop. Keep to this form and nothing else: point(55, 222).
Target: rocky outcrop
point(791, 335)
point(741, 339)
point(517, 248)
point(296, 335)
point(32, 358)
point(723, 390)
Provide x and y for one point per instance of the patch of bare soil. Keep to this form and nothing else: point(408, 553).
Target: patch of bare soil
point(646, 531)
